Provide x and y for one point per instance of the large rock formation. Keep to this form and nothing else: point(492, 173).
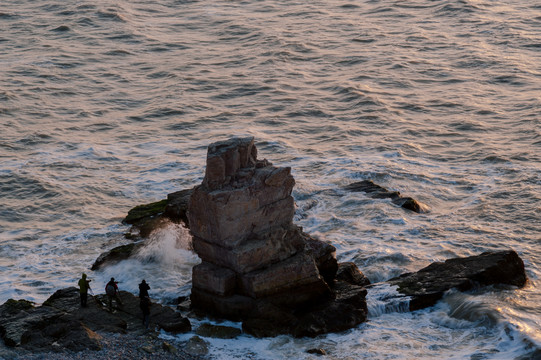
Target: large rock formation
point(256, 264)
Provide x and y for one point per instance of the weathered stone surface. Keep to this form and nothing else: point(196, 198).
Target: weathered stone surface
point(378, 192)
point(346, 310)
point(324, 255)
point(350, 273)
point(16, 319)
point(143, 212)
point(225, 158)
point(177, 206)
point(62, 322)
point(241, 217)
point(214, 279)
point(297, 271)
point(227, 218)
point(196, 346)
point(427, 286)
point(257, 252)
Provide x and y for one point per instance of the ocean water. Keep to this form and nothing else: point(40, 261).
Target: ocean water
point(105, 105)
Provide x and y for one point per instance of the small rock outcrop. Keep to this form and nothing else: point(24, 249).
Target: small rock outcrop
point(60, 323)
point(426, 286)
point(378, 192)
point(257, 266)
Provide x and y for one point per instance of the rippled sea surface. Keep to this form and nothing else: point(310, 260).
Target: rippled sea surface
point(108, 104)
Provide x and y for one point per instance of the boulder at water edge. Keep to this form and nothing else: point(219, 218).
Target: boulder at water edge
point(426, 286)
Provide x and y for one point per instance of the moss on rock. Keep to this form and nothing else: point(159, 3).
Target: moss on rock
point(141, 212)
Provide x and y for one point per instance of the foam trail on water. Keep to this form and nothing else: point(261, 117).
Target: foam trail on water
point(384, 299)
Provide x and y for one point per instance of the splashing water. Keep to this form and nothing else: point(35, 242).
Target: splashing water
point(165, 261)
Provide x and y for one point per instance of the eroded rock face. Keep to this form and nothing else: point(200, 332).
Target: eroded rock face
point(257, 265)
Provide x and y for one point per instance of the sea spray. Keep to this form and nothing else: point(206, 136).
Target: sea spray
point(384, 298)
point(164, 245)
point(165, 261)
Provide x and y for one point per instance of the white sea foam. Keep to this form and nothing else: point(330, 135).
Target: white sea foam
point(384, 298)
point(165, 261)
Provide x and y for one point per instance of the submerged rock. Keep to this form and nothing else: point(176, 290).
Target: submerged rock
point(428, 285)
point(378, 192)
point(257, 265)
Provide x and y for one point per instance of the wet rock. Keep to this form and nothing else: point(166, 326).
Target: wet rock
point(177, 205)
point(378, 192)
point(348, 309)
point(144, 220)
point(316, 351)
point(144, 212)
point(428, 285)
point(196, 346)
point(116, 255)
point(350, 273)
point(148, 217)
point(218, 331)
point(169, 348)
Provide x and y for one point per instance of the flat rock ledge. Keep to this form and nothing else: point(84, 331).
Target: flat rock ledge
point(257, 266)
point(426, 286)
point(60, 323)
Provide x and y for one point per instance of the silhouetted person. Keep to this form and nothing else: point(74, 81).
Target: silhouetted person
point(84, 286)
point(111, 289)
point(143, 289)
point(144, 304)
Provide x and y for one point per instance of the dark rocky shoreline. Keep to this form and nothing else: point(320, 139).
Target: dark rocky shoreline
point(258, 268)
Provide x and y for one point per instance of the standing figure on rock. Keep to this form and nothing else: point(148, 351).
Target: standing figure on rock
point(143, 289)
point(84, 286)
point(111, 289)
point(144, 304)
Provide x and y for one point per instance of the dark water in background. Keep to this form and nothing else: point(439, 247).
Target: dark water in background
point(108, 104)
